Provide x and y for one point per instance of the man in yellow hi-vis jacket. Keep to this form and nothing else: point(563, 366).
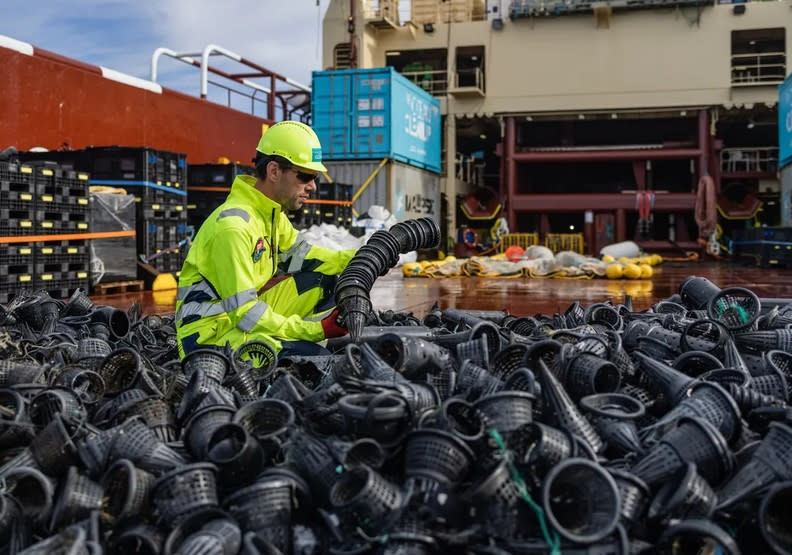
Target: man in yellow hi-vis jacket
point(224, 295)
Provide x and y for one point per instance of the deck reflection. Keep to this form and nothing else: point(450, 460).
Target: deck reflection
point(524, 296)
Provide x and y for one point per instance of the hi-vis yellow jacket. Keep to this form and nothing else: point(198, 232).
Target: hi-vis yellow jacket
point(237, 250)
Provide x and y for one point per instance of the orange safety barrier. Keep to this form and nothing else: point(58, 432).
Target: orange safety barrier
point(67, 237)
point(210, 189)
point(333, 202)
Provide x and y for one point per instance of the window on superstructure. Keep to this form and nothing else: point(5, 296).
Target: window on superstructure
point(758, 56)
point(341, 55)
point(470, 67)
point(427, 68)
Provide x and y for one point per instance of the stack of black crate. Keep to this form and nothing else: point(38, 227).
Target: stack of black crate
point(40, 201)
point(333, 212)
point(331, 204)
point(158, 179)
point(763, 246)
point(209, 187)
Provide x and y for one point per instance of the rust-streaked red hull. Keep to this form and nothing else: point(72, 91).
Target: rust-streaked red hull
point(48, 100)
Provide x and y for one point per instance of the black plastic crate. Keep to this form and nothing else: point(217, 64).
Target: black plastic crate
point(17, 178)
point(198, 213)
point(137, 166)
point(17, 210)
point(59, 266)
point(172, 212)
point(331, 214)
point(7, 294)
point(764, 246)
point(57, 213)
point(74, 183)
point(333, 191)
point(63, 288)
point(74, 224)
point(63, 203)
point(16, 268)
point(169, 262)
point(216, 175)
point(56, 183)
point(16, 281)
point(19, 196)
point(157, 235)
point(16, 255)
point(336, 214)
point(45, 278)
point(157, 195)
point(74, 160)
point(16, 227)
point(296, 218)
point(70, 248)
point(311, 214)
point(62, 257)
point(175, 167)
point(16, 250)
point(201, 204)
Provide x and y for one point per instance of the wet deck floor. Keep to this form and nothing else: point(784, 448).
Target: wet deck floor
point(522, 296)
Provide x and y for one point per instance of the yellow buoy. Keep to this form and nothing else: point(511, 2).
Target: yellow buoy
point(646, 271)
point(632, 271)
point(614, 271)
point(164, 282)
point(608, 258)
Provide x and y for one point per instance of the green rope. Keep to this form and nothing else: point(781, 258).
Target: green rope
point(550, 537)
point(722, 306)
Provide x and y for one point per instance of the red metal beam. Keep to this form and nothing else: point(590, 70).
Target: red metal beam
point(249, 75)
point(510, 169)
point(703, 143)
point(654, 246)
point(670, 202)
point(598, 155)
point(621, 225)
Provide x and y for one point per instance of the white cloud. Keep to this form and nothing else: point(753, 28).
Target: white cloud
point(283, 36)
point(279, 35)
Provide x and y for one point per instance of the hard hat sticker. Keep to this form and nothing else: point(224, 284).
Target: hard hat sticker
point(316, 155)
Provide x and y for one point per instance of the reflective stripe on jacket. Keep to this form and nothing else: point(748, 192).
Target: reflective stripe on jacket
point(238, 249)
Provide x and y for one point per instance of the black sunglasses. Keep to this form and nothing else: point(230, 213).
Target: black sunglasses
point(305, 177)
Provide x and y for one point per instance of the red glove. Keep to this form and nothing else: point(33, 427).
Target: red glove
point(331, 326)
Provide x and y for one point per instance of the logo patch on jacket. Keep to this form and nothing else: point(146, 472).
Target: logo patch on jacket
point(258, 252)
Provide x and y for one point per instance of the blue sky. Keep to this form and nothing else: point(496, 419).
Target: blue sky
point(282, 35)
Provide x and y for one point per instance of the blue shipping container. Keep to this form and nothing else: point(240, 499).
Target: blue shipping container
point(363, 114)
point(785, 122)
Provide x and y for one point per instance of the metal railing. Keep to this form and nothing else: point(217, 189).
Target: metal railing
point(434, 81)
point(232, 93)
point(532, 8)
point(472, 78)
point(749, 159)
point(758, 69)
point(378, 10)
point(293, 97)
point(469, 169)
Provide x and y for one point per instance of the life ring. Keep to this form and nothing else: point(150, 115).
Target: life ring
point(470, 238)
